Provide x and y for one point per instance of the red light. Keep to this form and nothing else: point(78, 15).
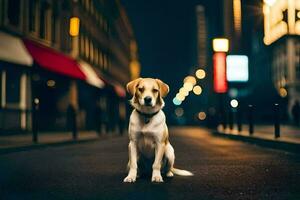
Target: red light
point(220, 82)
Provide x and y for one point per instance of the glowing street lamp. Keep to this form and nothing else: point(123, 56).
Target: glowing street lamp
point(220, 45)
point(74, 26)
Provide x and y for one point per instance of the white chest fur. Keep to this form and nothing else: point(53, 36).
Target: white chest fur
point(146, 134)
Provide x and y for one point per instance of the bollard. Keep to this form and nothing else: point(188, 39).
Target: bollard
point(35, 110)
point(230, 119)
point(250, 119)
point(276, 120)
point(73, 121)
point(239, 119)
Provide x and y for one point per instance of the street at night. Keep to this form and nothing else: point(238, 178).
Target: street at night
point(94, 93)
point(223, 169)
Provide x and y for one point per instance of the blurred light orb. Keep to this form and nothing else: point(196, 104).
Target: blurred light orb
point(283, 92)
point(184, 91)
point(180, 97)
point(298, 14)
point(36, 101)
point(200, 74)
point(51, 83)
point(188, 86)
point(234, 103)
point(176, 101)
point(201, 116)
point(197, 90)
point(190, 79)
point(179, 112)
point(220, 45)
point(270, 2)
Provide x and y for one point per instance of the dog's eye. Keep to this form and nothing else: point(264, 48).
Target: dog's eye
point(141, 89)
point(155, 90)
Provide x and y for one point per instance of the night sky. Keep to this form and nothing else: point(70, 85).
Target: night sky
point(165, 32)
point(166, 37)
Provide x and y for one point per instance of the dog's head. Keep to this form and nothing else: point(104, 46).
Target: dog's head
point(147, 94)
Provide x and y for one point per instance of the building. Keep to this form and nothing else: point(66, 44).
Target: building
point(282, 36)
point(58, 54)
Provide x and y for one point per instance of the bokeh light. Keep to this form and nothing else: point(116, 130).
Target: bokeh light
point(201, 116)
point(283, 92)
point(234, 103)
point(190, 79)
point(188, 86)
point(197, 90)
point(176, 101)
point(184, 91)
point(200, 74)
point(179, 112)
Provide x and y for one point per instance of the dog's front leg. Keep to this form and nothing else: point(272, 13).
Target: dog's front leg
point(159, 152)
point(132, 148)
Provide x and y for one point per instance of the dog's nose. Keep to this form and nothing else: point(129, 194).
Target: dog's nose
point(147, 100)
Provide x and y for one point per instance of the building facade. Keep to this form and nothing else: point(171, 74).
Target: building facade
point(42, 61)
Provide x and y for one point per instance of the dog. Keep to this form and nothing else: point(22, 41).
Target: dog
point(148, 132)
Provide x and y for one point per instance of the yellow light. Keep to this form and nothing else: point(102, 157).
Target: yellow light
point(197, 90)
point(190, 79)
point(202, 116)
point(234, 103)
point(200, 74)
point(50, 83)
point(74, 26)
point(220, 45)
point(184, 92)
point(179, 112)
point(188, 86)
point(283, 92)
point(270, 2)
point(180, 97)
point(237, 15)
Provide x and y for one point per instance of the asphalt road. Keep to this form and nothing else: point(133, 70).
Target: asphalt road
point(224, 169)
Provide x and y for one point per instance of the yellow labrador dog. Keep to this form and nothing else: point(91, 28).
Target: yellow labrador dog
point(148, 132)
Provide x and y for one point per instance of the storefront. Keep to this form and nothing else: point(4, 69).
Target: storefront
point(15, 66)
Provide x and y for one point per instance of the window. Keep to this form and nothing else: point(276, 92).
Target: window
point(33, 11)
point(12, 87)
point(14, 12)
point(45, 20)
point(55, 23)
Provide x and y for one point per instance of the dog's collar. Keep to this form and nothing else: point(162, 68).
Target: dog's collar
point(147, 116)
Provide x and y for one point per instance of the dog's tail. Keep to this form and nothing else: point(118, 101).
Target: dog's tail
point(181, 172)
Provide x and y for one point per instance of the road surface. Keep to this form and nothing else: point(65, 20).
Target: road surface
point(224, 169)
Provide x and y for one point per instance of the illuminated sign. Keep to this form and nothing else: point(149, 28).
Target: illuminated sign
point(237, 68)
point(220, 82)
point(220, 45)
point(281, 17)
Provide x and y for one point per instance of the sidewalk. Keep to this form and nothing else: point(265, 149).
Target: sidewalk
point(13, 143)
point(264, 135)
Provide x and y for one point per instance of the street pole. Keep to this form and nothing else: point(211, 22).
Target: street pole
point(250, 119)
point(35, 110)
point(276, 120)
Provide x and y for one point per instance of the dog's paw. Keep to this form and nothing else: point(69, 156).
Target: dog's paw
point(157, 179)
point(170, 174)
point(129, 179)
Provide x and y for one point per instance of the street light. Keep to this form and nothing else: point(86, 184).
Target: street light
point(74, 26)
point(220, 45)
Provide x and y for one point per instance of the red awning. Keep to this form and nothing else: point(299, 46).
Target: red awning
point(54, 61)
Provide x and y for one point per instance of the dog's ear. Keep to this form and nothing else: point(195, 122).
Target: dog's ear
point(163, 88)
point(131, 86)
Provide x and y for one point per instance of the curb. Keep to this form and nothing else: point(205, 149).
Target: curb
point(45, 145)
point(281, 145)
